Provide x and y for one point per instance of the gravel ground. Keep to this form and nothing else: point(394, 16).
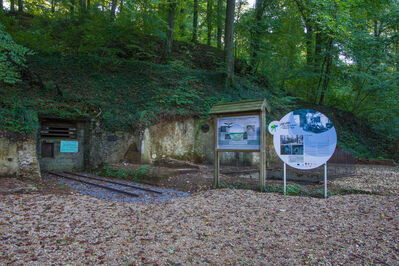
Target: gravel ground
point(372, 178)
point(211, 227)
point(101, 193)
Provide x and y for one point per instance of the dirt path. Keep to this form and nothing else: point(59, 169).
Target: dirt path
point(373, 178)
point(215, 227)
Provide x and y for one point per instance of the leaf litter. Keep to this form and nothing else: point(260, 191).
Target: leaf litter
point(210, 227)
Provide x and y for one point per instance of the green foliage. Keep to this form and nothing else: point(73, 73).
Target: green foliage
point(97, 61)
point(292, 189)
point(273, 189)
point(236, 185)
point(296, 190)
point(16, 117)
point(12, 58)
point(122, 173)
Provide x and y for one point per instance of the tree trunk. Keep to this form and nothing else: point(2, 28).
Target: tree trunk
point(256, 33)
point(88, 5)
point(170, 30)
point(72, 7)
point(220, 23)
point(328, 70)
point(12, 6)
point(182, 25)
point(309, 32)
point(195, 22)
point(317, 49)
point(237, 19)
point(82, 6)
point(209, 20)
point(113, 8)
point(1, 5)
point(20, 6)
point(121, 6)
point(229, 42)
point(52, 6)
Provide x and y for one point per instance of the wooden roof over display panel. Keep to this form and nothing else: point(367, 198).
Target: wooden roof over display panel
point(240, 107)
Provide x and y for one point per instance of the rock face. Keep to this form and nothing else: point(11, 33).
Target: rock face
point(28, 165)
point(108, 147)
point(191, 140)
point(186, 140)
point(8, 157)
point(183, 140)
point(19, 158)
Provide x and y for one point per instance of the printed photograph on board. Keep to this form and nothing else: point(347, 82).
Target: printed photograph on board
point(291, 139)
point(240, 132)
point(285, 150)
point(312, 121)
point(291, 144)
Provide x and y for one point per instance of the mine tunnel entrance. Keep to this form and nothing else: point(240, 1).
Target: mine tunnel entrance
point(61, 143)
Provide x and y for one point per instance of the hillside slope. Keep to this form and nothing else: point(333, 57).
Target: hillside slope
point(129, 95)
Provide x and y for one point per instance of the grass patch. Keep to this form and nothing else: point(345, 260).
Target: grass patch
point(236, 185)
point(137, 175)
point(298, 190)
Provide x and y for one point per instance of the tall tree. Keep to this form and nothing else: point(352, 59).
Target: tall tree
point(20, 6)
point(113, 8)
point(195, 22)
point(171, 27)
point(306, 17)
point(256, 33)
point(82, 6)
point(52, 6)
point(209, 13)
point(72, 7)
point(12, 5)
point(229, 42)
point(121, 6)
point(1, 5)
point(219, 23)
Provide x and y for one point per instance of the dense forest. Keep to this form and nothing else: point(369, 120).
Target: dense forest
point(131, 63)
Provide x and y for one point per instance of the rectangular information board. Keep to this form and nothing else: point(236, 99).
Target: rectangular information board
point(69, 146)
point(238, 133)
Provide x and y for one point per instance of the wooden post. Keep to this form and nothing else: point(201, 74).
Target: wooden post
point(262, 150)
point(216, 153)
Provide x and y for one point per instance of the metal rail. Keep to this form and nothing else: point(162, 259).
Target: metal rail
point(114, 182)
point(95, 184)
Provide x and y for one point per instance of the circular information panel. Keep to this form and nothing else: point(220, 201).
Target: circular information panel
point(304, 139)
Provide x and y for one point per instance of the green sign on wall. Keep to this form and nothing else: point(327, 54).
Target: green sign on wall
point(69, 146)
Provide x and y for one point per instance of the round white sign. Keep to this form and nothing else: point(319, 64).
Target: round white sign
point(304, 139)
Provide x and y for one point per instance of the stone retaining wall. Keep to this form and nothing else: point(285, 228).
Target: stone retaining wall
point(19, 158)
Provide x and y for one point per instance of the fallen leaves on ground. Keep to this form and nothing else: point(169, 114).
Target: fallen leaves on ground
point(211, 227)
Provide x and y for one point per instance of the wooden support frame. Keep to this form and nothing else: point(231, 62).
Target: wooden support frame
point(258, 108)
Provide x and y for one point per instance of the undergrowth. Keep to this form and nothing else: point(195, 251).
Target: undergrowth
point(123, 94)
point(130, 95)
point(136, 175)
point(297, 190)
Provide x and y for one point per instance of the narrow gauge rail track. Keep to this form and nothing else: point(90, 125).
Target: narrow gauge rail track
point(114, 182)
point(95, 184)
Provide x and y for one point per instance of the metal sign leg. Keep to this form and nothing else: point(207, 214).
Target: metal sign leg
point(325, 180)
point(285, 178)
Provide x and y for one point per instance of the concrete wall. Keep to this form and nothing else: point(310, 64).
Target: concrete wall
point(64, 161)
point(8, 157)
point(184, 140)
point(187, 141)
point(110, 147)
point(19, 158)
